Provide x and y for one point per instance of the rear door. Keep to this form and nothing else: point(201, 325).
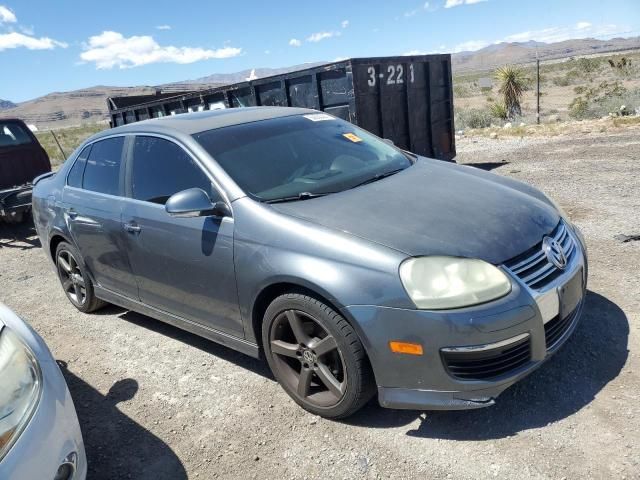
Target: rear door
point(93, 205)
point(184, 266)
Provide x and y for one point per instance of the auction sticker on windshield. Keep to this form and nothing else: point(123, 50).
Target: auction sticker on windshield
point(352, 136)
point(318, 117)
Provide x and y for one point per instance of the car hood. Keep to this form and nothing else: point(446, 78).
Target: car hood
point(437, 208)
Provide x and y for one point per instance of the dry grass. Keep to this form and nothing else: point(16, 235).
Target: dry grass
point(613, 124)
point(69, 139)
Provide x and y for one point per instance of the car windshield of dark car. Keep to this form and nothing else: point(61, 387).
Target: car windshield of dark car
point(300, 156)
point(12, 134)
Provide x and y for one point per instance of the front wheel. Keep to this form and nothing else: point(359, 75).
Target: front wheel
point(316, 356)
point(75, 282)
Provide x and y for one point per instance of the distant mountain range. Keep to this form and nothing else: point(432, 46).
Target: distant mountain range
point(5, 104)
point(523, 52)
point(89, 105)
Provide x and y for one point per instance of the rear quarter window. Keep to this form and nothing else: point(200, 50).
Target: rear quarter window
point(74, 179)
point(13, 134)
point(102, 172)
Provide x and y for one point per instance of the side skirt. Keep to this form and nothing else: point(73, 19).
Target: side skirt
point(230, 341)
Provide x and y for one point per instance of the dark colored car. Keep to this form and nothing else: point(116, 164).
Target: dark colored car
point(22, 159)
point(350, 264)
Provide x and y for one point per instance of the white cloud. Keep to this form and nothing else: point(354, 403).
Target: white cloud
point(319, 36)
point(415, 11)
point(112, 49)
point(345, 23)
point(163, 27)
point(456, 3)
point(411, 53)
point(559, 34)
point(470, 46)
point(17, 40)
point(6, 15)
point(294, 42)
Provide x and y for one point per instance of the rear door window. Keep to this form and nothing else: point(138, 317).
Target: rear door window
point(102, 172)
point(161, 168)
point(13, 134)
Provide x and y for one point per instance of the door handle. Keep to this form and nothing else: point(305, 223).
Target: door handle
point(132, 228)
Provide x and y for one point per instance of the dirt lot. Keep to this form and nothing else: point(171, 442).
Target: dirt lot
point(155, 402)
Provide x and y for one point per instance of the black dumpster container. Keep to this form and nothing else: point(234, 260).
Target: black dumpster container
point(406, 99)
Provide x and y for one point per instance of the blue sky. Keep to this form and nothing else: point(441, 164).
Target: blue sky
point(52, 45)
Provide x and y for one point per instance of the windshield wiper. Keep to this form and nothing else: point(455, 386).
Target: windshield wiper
point(300, 196)
point(379, 176)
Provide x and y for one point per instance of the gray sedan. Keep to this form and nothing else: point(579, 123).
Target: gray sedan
point(353, 266)
point(39, 433)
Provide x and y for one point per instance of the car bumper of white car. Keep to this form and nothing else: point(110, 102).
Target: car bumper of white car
point(52, 438)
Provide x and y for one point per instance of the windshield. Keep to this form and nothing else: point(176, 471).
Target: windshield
point(300, 156)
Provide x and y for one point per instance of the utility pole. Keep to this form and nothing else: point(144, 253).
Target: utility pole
point(537, 88)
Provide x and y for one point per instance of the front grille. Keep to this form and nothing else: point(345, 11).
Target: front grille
point(555, 328)
point(487, 364)
point(532, 266)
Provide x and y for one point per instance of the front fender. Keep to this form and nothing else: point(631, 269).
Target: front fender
point(272, 248)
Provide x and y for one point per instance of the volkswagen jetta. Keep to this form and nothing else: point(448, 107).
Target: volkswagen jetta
point(352, 265)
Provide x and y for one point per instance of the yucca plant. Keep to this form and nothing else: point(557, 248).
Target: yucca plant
point(513, 83)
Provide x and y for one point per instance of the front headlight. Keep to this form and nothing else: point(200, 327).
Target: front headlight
point(436, 283)
point(20, 384)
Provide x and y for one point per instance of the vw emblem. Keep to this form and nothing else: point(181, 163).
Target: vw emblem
point(308, 356)
point(554, 252)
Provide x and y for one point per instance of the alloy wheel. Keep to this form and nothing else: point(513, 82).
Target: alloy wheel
point(71, 277)
point(308, 358)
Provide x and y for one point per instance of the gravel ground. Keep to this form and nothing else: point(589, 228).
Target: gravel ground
point(155, 402)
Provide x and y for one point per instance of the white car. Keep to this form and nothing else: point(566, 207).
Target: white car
point(40, 436)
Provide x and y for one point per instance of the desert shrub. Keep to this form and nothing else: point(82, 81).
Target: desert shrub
point(489, 99)
point(461, 91)
point(621, 66)
point(588, 65)
point(499, 110)
point(561, 81)
point(473, 118)
point(605, 99)
point(486, 90)
point(578, 108)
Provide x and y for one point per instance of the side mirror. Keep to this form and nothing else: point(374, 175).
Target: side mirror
point(194, 202)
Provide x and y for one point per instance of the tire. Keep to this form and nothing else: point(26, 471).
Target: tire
point(316, 356)
point(75, 282)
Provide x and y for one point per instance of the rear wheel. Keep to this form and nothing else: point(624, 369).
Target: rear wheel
point(74, 279)
point(316, 356)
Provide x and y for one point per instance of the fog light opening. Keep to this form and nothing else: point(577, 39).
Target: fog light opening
point(406, 348)
point(67, 468)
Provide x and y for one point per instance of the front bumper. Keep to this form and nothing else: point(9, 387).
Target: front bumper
point(52, 436)
point(427, 382)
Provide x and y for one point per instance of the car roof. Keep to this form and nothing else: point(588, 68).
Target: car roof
point(190, 123)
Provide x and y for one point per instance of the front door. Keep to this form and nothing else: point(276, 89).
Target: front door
point(184, 266)
point(93, 206)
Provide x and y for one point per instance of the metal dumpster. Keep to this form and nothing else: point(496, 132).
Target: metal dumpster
point(408, 99)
